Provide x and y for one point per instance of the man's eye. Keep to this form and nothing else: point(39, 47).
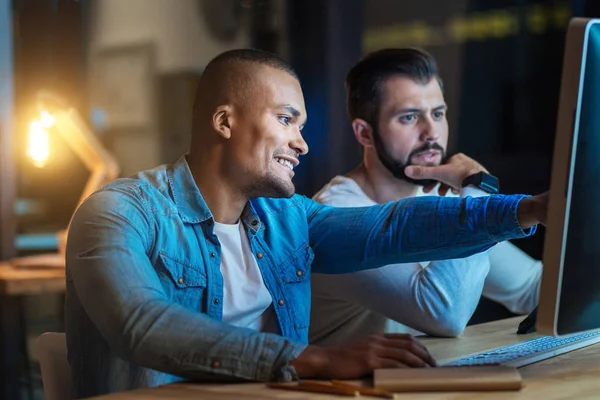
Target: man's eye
point(285, 119)
point(408, 118)
point(438, 114)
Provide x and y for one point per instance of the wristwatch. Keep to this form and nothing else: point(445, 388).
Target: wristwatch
point(484, 181)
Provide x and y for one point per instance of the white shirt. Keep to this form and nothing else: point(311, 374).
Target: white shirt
point(246, 300)
point(436, 298)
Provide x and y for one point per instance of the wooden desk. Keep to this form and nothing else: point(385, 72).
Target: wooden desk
point(40, 275)
point(575, 375)
point(43, 275)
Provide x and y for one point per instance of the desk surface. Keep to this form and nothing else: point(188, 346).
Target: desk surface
point(575, 375)
point(33, 275)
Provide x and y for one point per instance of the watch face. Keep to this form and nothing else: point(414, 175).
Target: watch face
point(489, 183)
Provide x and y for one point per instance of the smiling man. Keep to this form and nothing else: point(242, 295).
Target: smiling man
point(201, 269)
point(398, 111)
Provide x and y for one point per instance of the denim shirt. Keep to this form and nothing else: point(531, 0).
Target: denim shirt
point(145, 292)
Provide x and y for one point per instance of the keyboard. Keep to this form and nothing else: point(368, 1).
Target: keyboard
point(529, 351)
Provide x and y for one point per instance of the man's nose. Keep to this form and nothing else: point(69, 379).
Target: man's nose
point(429, 133)
point(299, 144)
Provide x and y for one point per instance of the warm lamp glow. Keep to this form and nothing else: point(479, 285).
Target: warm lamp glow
point(46, 119)
point(38, 146)
point(38, 140)
point(67, 123)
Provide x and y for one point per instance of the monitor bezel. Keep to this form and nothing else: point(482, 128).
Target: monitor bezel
point(565, 153)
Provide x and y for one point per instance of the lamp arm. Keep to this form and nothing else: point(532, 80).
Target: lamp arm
point(88, 148)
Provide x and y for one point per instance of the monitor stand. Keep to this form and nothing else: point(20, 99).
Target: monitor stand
point(528, 324)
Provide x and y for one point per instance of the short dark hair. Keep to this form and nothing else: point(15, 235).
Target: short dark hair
point(227, 77)
point(365, 80)
point(253, 56)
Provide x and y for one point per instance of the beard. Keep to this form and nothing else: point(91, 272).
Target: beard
point(397, 168)
point(271, 186)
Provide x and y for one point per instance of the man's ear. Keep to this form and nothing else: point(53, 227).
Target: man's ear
point(363, 132)
point(221, 121)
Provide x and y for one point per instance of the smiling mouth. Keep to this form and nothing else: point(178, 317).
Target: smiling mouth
point(285, 163)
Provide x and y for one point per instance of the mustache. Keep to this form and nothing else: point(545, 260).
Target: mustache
point(426, 147)
point(288, 153)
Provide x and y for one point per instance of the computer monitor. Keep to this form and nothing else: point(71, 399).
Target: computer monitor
point(570, 289)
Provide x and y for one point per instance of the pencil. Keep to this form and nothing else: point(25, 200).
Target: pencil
point(365, 391)
point(315, 388)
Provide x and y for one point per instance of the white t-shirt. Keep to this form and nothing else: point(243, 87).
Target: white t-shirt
point(246, 300)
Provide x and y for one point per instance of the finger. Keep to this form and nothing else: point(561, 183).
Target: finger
point(442, 173)
point(401, 336)
point(443, 190)
point(405, 356)
point(406, 342)
point(429, 188)
point(390, 363)
point(403, 341)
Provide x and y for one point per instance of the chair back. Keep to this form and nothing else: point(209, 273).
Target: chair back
point(51, 351)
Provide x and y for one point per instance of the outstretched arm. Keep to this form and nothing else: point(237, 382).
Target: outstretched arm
point(416, 229)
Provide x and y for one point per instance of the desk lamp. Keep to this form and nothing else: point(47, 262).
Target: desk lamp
point(56, 117)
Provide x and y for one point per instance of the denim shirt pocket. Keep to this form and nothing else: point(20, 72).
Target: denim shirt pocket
point(295, 274)
point(183, 282)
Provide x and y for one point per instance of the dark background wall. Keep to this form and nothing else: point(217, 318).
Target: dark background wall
point(325, 41)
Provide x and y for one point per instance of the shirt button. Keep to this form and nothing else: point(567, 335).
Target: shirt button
point(212, 254)
point(216, 301)
point(216, 364)
point(299, 273)
point(259, 255)
point(280, 302)
point(254, 223)
point(180, 281)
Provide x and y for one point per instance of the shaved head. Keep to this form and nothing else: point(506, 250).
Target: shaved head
point(232, 77)
point(248, 115)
